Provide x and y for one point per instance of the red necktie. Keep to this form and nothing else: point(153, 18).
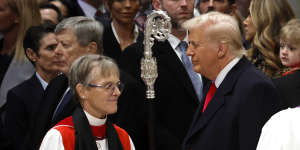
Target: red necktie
point(209, 95)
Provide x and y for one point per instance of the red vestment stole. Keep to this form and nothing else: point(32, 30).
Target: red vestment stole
point(67, 131)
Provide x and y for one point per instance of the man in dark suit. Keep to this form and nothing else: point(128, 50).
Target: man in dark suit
point(71, 45)
point(22, 100)
point(240, 98)
point(90, 8)
point(79, 36)
point(176, 98)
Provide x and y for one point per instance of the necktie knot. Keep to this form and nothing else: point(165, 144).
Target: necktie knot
point(183, 46)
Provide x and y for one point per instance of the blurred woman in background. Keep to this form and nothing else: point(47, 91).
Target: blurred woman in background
point(262, 28)
point(122, 31)
point(16, 16)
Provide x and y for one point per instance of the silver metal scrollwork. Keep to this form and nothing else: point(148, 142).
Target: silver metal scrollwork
point(157, 26)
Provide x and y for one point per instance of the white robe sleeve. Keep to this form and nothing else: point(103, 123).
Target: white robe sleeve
point(52, 141)
point(281, 132)
point(131, 144)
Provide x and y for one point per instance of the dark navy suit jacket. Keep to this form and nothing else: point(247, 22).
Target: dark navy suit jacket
point(176, 100)
point(22, 103)
point(233, 119)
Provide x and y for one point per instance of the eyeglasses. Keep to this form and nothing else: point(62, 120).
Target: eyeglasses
point(109, 86)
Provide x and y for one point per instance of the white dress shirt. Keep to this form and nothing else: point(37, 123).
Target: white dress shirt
point(42, 81)
point(221, 76)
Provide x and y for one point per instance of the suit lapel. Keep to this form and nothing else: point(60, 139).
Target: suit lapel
point(168, 58)
point(46, 108)
point(52, 96)
point(35, 82)
point(218, 100)
point(67, 111)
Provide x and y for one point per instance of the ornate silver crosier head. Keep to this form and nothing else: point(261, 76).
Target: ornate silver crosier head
point(157, 26)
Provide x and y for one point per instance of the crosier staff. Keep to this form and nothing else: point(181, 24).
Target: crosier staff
point(157, 26)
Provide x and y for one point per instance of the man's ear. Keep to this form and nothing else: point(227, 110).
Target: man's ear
point(156, 4)
point(222, 50)
point(92, 47)
point(31, 55)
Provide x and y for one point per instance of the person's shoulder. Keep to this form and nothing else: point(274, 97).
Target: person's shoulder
point(59, 137)
point(120, 130)
point(61, 81)
point(284, 117)
point(68, 121)
point(253, 80)
point(289, 79)
point(254, 76)
point(124, 137)
point(60, 78)
point(65, 126)
point(23, 87)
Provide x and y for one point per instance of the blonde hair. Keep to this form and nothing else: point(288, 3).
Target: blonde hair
point(28, 14)
point(291, 32)
point(268, 16)
point(220, 27)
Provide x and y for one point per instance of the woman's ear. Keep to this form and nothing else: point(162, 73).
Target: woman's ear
point(31, 55)
point(81, 91)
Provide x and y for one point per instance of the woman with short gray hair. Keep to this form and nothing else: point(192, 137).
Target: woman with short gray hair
point(95, 86)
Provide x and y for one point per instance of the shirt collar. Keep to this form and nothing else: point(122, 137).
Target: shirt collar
point(42, 81)
point(135, 32)
point(174, 41)
point(88, 9)
point(221, 76)
point(93, 120)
